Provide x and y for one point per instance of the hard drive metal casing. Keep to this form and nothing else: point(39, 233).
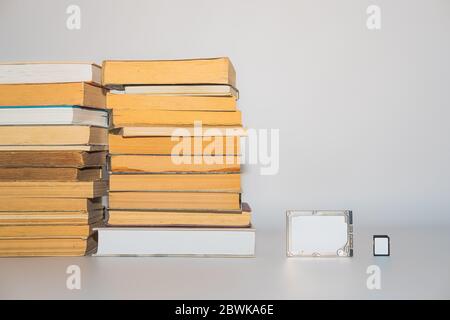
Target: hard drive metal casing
point(319, 233)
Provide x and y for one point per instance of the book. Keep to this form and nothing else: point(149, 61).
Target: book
point(175, 200)
point(35, 247)
point(217, 242)
point(172, 164)
point(45, 204)
point(70, 147)
point(177, 219)
point(126, 118)
point(52, 159)
point(49, 72)
point(177, 131)
point(184, 90)
point(237, 219)
point(139, 102)
point(48, 231)
point(57, 189)
point(192, 71)
point(52, 135)
point(168, 145)
point(229, 182)
point(50, 218)
point(47, 174)
point(78, 94)
point(53, 115)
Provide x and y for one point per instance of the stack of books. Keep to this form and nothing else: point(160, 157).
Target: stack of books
point(175, 183)
point(53, 147)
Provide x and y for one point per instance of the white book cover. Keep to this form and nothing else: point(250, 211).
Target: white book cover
point(53, 115)
point(203, 242)
point(49, 72)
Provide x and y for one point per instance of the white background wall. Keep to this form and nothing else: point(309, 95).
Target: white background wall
point(363, 115)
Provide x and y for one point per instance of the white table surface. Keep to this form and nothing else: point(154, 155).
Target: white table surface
point(417, 268)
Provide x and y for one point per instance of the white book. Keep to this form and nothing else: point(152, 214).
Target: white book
point(205, 242)
point(186, 90)
point(49, 72)
point(53, 115)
